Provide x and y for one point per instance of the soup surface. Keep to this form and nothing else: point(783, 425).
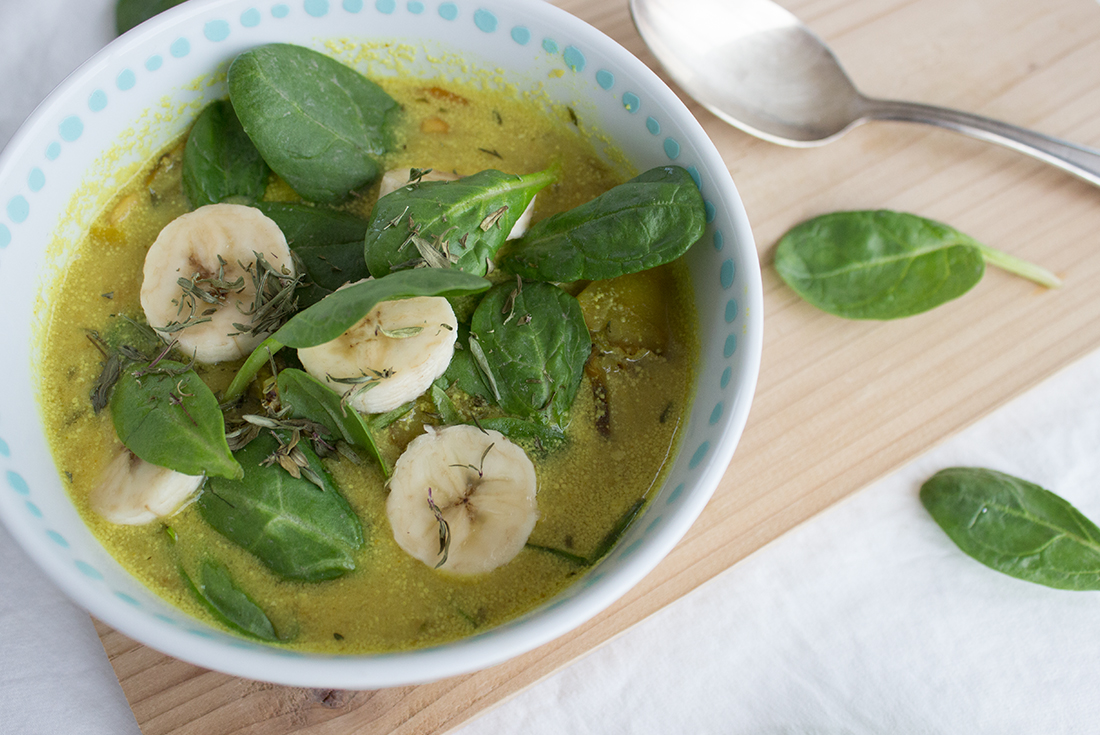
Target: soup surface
point(623, 423)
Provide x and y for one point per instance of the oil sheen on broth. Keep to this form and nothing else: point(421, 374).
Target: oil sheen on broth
point(623, 423)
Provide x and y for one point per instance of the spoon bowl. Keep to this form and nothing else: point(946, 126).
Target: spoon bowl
point(756, 66)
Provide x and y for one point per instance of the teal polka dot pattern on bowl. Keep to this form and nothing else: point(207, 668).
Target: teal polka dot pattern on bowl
point(606, 80)
point(70, 129)
point(731, 310)
point(216, 30)
point(19, 209)
point(5, 236)
point(415, 7)
point(180, 48)
point(53, 150)
point(154, 62)
point(730, 346)
point(97, 101)
point(726, 273)
point(549, 45)
point(521, 35)
point(574, 59)
point(448, 11)
point(250, 18)
point(126, 80)
point(88, 570)
point(485, 21)
point(57, 538)
point(700, 455)
point(631, 102)
point(36, 180)
point(317, 8)
point(672, 148)
point(280, 11)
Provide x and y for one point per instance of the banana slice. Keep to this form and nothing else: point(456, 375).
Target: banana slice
point(133, 492)
point(391, 356)
point(396, 178)
point(200, 273)
point(469, 491)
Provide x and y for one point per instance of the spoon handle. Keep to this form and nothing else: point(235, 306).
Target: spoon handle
point(1077, 160)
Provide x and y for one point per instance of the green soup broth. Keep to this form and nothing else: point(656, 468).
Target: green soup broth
point(623, 424)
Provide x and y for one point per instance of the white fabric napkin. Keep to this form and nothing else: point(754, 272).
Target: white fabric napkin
point(866, 619)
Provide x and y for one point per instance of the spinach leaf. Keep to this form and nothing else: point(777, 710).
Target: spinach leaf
point(219, 160)
point(1015, 527)
point(228, 603)
point(130, 13)
point(648, 221)
point(464, 371)
point(534, 344)
point(526, 432)
point(295, 528)
point(319, 124)
point(311, 399)
point(304, 225)
point(335, 314)
point(166, 415)
point(886, 265)
point(328, 243)
point(458, 224)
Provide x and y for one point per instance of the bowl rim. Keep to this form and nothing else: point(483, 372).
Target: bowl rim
point(515, 637)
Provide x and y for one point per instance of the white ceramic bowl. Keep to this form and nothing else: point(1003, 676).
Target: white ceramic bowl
point(54, 164)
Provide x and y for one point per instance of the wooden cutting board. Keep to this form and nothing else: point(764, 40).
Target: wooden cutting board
point(839, 403)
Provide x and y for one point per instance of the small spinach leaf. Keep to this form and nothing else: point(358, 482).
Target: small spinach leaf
point(1015, 527)
point(304, 225)
point(458, 224)
point(522, 431)
point(228, 603)
point(328, 267)
point(166, 415)
point(536, 342)
point(296, 529)
point(131, 13)
point(319, 124)
point(648, 221)
point(311, 399)
point(219, 160)
point(885, 265)
point(335, 314)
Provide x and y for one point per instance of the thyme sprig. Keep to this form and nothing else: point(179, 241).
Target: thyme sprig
point(444, 530)
point(273, 301)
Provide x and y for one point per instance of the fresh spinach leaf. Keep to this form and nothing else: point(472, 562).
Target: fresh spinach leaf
point(311, 399)
point(459, 224)
point(305, 225)
point(534, 343)
point(444, 406)
point(319, 124)
point(464, 371)
point(1015, 527)
point(166, 415)
point(885, 265)
point(328, 244)
point(296, 529)
point(219, 160)
point(229, 603)
point(648, 221)
point(130, 13)
point(526, 432)
point(335, 314)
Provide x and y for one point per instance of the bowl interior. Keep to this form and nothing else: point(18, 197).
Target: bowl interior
point(143, 89)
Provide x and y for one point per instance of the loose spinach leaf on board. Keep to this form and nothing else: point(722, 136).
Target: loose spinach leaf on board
point(446, 224)
point(311, 399)
point(296, 529)
point(648, 221)
point(329, 318)
point(130, 13)
point(219, 160)
point(319, 124)
point(167, 416)
point(534, 344)
point(1015, 527)
point(229, 603)
point(885, 265)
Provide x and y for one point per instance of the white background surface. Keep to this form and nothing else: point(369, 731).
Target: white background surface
point(864, 620)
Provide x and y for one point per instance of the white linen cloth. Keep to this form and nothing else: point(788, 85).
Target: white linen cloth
point(866, 619)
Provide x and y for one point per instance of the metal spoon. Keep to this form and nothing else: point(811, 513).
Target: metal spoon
point(755, 65)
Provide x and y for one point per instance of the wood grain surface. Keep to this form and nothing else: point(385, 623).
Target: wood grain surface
point(839, 403)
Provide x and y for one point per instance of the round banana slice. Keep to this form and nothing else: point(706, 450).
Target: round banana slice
point(462, 499)
point(396, 178)
point(133, 492)
point(200, 279)
point(391, 356)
